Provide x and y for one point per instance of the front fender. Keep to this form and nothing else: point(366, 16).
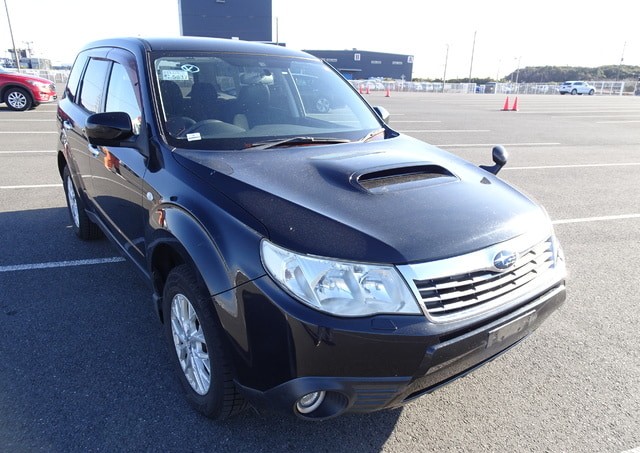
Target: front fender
point(225, 253)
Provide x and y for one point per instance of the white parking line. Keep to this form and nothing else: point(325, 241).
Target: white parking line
point(482, 145)
point(27, 152)
point(30, 132)
point(417, 121)
point(34, 186)
point(594, 116)
point(444, 130)
point(547, 167)
point(56, 264)
point(617, 122)
point(27, 121)
point(597, 219)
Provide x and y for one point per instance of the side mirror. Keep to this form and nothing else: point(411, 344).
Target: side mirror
point(382, 113)
point(500, 156)
point(108, 129)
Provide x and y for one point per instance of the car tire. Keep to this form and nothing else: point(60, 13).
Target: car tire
point(194, 337)
point(83, 227)
point(591, 92)
point(574, 92)
point(18, 99)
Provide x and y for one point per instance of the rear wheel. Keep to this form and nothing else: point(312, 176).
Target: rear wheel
point(82, 225)
point(195, 342)
point(574, 92)
point(323, 105)
point(18, 99)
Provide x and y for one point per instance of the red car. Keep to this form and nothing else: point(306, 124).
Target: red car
point(24, 91)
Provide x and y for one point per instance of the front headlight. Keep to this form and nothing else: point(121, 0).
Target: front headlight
point(35, 83)
point(337, 287)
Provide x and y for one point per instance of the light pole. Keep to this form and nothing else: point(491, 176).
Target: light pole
point(621, 60)
point(446, 60)
point(473, 49)
point(13, 44)
point(518, 73)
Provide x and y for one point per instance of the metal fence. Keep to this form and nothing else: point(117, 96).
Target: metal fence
point(55, 75)
point(602, 87)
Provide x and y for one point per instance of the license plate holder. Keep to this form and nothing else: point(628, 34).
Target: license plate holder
point(518, 327)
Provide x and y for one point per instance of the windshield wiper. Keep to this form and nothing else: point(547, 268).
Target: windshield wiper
point(372, 134)
point(296, 141)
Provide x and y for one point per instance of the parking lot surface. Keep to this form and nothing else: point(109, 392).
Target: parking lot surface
point(83, 365)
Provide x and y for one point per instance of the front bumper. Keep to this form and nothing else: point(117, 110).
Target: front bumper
point(368, 364)
point(44, 97)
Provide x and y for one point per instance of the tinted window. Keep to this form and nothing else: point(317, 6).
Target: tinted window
point(93, 85)
point(74, 77)
point(121, 96)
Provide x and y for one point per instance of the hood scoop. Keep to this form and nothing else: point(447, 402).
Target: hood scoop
point(402, 178)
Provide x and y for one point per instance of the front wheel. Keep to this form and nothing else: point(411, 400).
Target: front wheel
point(82, 225)
point(18, 99)
point(574, 92)
point(195, 342)
point(591, 92)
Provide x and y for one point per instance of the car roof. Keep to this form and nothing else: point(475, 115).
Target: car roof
point(196, 44)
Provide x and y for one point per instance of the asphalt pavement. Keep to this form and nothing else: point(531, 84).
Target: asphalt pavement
point(84, 367)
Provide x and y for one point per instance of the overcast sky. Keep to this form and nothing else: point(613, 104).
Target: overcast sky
point(537, 33)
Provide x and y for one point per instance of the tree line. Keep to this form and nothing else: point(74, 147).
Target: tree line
point(558, 74)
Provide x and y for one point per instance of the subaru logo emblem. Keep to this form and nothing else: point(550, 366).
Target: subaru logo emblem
point(504, 260)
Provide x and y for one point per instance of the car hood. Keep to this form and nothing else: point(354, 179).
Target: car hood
point(390, 201)
point(18, 77)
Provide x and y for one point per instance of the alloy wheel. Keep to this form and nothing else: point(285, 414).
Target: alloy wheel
point(190, 344)
point(73, 203)
point(17, 100)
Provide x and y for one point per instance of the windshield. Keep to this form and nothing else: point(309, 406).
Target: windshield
point(222, 101)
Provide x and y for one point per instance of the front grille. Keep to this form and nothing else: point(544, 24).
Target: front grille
point(455, 294)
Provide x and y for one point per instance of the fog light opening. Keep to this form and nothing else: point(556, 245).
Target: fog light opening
point(310, 402)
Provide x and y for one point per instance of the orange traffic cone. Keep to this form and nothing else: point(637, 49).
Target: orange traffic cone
point(368, 90)
point(506, 105)
point(515, 105)
point(360, 89)
point(388, 94)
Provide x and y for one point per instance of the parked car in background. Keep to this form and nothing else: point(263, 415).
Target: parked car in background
point(576, 87)
point(23, 91)
point(312, 263)
point(315, 97)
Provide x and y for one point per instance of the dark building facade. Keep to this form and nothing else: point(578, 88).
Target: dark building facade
point(362, 64)
point(249, 20)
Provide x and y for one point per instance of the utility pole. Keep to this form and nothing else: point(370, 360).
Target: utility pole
point(621, 60)
point(13, 44)
point(518, 73)
point(473, 49)
point(446, 60)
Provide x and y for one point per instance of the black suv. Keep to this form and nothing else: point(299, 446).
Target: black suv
point(317, 262)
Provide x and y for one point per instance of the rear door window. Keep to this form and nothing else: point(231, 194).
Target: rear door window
point(92, 90)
